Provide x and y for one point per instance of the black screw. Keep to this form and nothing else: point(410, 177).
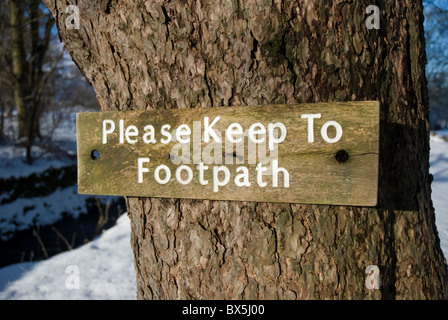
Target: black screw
point(342, 156)
point(169, 156)
point(95, 155)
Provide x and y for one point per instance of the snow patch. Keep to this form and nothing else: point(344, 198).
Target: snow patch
point(439, 169)
point(105, 270)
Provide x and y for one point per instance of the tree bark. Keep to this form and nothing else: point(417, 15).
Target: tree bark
point(185, 54)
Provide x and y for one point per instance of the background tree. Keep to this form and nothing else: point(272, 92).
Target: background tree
point(5, 90)
point(185, 54)
point(36, 73)
point(30, 34)
point(436, 34)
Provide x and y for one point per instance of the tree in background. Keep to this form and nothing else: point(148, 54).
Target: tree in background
point(436, 33)
point(30, 34)
point(187, 54)
point(5, 91)
point(36, 75)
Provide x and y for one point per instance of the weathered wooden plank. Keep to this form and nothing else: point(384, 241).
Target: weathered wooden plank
point(311, 172)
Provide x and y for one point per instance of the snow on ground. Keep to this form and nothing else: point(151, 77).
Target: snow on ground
point(43, 211)
point(62, 135)
point(101, 269)
point(25, 212)
point(12, 165)
point(439, 169)
point(104, 266)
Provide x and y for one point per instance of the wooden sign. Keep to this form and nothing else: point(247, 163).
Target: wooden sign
point(323, 153)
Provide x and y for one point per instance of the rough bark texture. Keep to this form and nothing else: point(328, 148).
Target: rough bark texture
point(184, 54)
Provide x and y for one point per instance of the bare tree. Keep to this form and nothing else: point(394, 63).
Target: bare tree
point(30, 34)
point(5, 106)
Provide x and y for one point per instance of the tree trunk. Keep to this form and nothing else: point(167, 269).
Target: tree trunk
point(185, 54)
point(20, 81)
point(27, 20)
